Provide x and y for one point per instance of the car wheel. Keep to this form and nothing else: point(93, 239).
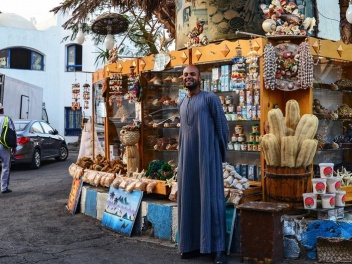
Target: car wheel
point(36, 159)
point(63, 153)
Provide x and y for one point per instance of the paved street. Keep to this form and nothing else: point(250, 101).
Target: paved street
point(36, 227)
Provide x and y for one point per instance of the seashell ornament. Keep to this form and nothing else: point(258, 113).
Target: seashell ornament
point(269, 25)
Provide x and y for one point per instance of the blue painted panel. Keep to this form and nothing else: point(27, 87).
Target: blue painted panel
point(230, 224)
point(91, 203)
point(161, 218)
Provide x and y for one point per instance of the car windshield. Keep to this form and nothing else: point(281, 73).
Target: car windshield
point(19, 126)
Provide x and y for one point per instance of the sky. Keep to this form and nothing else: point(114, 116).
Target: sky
point(29, 8)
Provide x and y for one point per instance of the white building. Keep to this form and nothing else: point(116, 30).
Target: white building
point(36, 54)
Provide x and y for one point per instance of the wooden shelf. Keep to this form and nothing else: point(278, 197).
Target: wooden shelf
point(255, 183)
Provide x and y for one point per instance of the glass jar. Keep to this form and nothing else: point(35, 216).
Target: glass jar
point(230, 108)
point(229, 146)
point(250, 146)
point(238, 129)
point(237, 146)
point(252, 137)
point(233, 116)
point(228, 99)
point(255, 128)
point(257, 136)
point(224, 106)
point(243, 146)
point(222, 99)
point(256, 146)
point(234, 138)
point(241, 138)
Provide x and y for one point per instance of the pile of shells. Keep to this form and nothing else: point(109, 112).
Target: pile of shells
point(286, 18)
point(344, 84)
point(344, 111)
point(232, 179)
point(321, 112)
point(345, 175)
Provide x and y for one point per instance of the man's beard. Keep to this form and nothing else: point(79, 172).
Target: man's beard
point(192, 86)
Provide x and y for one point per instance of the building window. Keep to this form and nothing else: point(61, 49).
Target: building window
point(4, 55)
point(74, 58)
point(37, 62)
point(21, 58)
point(72, 122)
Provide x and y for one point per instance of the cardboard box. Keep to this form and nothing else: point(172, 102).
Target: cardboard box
point(249, 97)
point(215, 74)
point(238, 168)
point(251, 172)
point(244, 170)
point(242, 97)
point(259, 174)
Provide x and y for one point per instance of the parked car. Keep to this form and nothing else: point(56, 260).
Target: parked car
point(36, 141)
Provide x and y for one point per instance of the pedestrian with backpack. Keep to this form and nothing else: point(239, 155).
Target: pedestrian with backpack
point(5, 152)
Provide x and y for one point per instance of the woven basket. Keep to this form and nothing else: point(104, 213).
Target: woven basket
point(334, 250)
point(129, 137)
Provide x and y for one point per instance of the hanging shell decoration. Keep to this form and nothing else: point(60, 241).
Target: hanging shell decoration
point(76, 96)
point(86, 95)
point(116, 89)
point(288, 66)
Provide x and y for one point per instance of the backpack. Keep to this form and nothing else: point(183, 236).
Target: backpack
point(8, 136)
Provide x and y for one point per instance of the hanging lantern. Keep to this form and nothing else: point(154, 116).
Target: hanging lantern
point(86, 95)
point(80, 36)
point(76, 96)
point(110, 24)
point(109, 42)
point(118, 24)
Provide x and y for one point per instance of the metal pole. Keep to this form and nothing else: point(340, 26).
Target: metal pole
point(134, 22)
point(93, 118)
point(249, 34)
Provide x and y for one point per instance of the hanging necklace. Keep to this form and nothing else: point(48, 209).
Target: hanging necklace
point(305, 69)
point(269, 66)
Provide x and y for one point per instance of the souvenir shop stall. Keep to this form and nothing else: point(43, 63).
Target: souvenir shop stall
point(287, 97)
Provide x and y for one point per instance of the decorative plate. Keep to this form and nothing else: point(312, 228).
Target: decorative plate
point(287, 66)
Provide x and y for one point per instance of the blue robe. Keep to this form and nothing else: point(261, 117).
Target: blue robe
point(203, 141)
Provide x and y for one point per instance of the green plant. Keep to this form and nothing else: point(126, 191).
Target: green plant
point(102, 57)
point(159, 170)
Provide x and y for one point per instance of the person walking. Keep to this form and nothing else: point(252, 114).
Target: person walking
point(203, 141)
point(5, 155)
